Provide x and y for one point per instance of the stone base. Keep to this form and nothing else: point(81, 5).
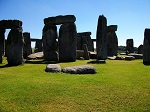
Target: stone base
point(146, 62)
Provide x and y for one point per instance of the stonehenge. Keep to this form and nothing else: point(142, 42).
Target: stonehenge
point(112, 40)
point(129, 46)
point(14, 43)
point(101, 38)
point(66, 41)
point(146, 47)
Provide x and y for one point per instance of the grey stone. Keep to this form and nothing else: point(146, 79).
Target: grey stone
point(49, 43)
point(60, 19)
point(86, 53)
point(112, 28)
point(2, 39)
point(112, 44)
point(79, 54)
point(129, 46)
point(93, 55)
point(84, 34)
point(27, 45)
point(10, 24)
point(120, 58)
point(101, 38)
point(38, 45)
point(140, 49)
point(79, 43)
point(146, 47)
point(53, 68)
point(129, 58)
point(136, 56)
point(67, 42)
point(38, 55)
point(14, 47)
point(84, 69)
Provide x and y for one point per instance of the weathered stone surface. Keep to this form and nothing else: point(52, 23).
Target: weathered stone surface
point(129, 46)
point(79, 54)
point(93, 55)
point(112, 44)
point(49, 43)
point(129, 58)
point(27, 50)
point(112, 28)
point(38, 55)
point(101, 38)
point(86, 53)
point(116, 58)
point(10, 24)
point(2, 39)
point(84, 69)
point(60, 19)
point(84, 38)
point(140, 49)
point(98, 62)
point(84, 34)
point(53, 68)
point(146, 47)
point(14, 47)
point(136, 56)
point(38, 45)
point(67, 42)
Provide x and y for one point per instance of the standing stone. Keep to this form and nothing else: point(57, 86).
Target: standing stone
point(146, 47)
point(129, 46)
point(101, 41)
point(79, 42)
point(67, 42)
point(14, 47)
point(38, 46)
point(112, 41)
point(140, 49)
point(49, 42)
point(27, 45)
point(86, 53)
point(2, 39)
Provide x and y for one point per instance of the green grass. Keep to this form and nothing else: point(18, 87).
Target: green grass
point(117, 86)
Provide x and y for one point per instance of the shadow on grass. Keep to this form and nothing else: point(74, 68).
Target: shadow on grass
point(6, 66)
point(40, 62)
point(97, 62)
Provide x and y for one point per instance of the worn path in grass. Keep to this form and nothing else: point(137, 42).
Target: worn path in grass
point(117, 86)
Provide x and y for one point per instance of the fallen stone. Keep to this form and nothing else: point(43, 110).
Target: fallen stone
point(120, 58)
point(97, 62)
point(57, 20)
point(53, 68)
point(84, 69)
point(38, 55)
point(136, 56)
point(129, 58)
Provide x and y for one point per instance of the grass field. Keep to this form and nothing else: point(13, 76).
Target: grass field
point(117, 86)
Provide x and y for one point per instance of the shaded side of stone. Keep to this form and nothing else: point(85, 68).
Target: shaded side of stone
point(112, 43)
point(67, 42)
point(14, 47)
point(38, 45)
point(129, 46)
point(27, 45)
point(86, 53)
point(60, 19)
point(49, 43)
point(146, 47)
point(2, 39)
point(84, 33)
point(10, 24)
point(140, 49)
point(101, 41)
point(84, 69)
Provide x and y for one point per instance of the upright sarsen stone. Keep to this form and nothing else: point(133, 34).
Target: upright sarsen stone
point(146, 47)
point(27, 45)
point(14, 47)
point(67, 42)
point(2, 39)
point(129, 46)
point(101, 41)
point(49, 42)
point(112, 41)
point(38, 46)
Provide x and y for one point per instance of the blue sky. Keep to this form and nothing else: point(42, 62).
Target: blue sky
point(131, 16)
